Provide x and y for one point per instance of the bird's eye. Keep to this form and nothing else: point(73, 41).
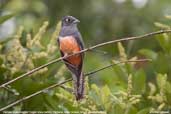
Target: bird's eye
point(68, 20)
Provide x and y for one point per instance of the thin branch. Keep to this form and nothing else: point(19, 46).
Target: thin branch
point(68, 80)
point(108, 66)
point(85, 50)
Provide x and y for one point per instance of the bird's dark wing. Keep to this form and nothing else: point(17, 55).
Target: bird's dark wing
point(79, 40)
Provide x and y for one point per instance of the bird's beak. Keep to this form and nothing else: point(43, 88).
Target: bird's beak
point(76, 21)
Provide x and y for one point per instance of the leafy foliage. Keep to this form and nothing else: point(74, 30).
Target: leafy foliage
point(5, 17)
point(127, 88)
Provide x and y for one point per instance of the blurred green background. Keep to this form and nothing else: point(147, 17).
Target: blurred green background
point(28, 39)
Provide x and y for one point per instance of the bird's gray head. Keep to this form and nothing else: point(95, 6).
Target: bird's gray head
point(69, 20)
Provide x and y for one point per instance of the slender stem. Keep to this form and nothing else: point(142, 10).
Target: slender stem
point(93, 72)
point(85, 50)
point(68, 80)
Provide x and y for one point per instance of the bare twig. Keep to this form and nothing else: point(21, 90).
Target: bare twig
point(85, 50)
point(126, 61)
point(68, 80)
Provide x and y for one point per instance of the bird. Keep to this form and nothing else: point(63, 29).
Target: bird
point(70, 42)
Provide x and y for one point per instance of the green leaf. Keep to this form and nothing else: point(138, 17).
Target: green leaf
point(168, 87)
point(1, 60)
point(5, 17)
point(117, 109)
point(168, 92)
point(148, 53)
point(3, 70)
point(51, 102)
point(23, 39)
point(139, 80)
point(164, 41)
point(144, 111)
point(120, 72)
point(131, 110)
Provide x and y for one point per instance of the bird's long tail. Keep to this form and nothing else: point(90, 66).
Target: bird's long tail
point(78, 82)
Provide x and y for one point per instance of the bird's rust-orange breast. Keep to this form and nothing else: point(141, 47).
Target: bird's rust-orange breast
point(69, 45)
